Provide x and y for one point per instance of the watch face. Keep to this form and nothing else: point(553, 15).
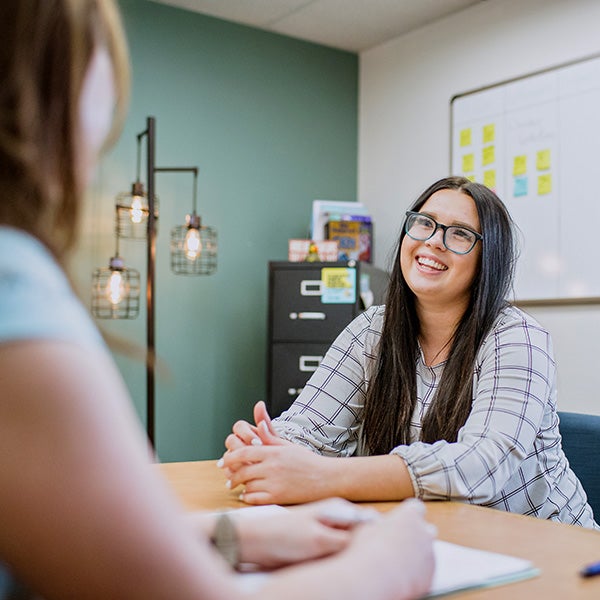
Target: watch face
point(225, 540)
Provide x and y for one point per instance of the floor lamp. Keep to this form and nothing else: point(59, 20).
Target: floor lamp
point(193, 252)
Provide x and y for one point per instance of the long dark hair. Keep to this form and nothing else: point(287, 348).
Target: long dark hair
point(391, 396)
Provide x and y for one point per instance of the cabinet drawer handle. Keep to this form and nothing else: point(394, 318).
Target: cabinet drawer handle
point(308, 316)
point(311, 287)
point(309, 363)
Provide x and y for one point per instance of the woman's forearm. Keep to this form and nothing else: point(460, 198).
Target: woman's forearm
point(367, 478)
point(292, 475)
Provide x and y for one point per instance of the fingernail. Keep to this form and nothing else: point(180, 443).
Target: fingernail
point(348, 515)
point(228, 484)
point(256, 442)
point(220, 463)
point(241, 496)
point(369, 514)
point(415, 503)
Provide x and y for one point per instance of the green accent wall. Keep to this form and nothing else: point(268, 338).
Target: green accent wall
point(271, 122)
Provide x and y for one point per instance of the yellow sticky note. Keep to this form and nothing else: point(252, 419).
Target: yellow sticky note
point(489, 178)
point(488, 155)
point(465, 137)
point(470, 177)
point(468, 163)
point(339, 285)
point(544, 184)
point(543, 160)
point(489, 133)
point(520, 165)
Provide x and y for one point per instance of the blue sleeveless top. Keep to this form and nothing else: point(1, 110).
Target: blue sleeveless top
point(36, 302)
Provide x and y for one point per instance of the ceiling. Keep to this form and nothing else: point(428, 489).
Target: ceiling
point(353, 25)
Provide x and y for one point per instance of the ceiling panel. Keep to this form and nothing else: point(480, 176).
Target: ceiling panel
point(361, 24)
point(258, 13)
point(352, 25)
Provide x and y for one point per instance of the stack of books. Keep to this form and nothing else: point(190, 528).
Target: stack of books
point(347, 223)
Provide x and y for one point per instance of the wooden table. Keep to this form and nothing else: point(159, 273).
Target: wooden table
point(559, 551)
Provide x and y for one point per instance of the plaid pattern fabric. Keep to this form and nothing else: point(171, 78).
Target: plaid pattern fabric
point(508, 454)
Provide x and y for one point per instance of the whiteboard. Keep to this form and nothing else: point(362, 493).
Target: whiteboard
point(536, 141)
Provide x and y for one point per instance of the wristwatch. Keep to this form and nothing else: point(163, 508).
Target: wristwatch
point(225, 540)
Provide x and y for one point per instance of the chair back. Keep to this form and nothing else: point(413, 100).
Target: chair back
point(581, 444)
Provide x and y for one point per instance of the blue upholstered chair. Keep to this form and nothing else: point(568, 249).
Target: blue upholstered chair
point(581, 443)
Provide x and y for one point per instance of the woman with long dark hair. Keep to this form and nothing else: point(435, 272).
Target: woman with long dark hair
point(446, 392)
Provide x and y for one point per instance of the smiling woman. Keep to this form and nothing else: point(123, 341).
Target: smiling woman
point(446, 392)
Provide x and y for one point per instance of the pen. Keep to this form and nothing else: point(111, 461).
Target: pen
point(590, 570)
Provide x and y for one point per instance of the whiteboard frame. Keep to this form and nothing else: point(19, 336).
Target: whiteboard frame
point(569, 301)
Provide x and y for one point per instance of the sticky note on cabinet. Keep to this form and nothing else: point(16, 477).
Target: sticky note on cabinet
point(488, 155)
point(465, 137)
point(543, 160)
point(468, 163)
point(544, 184)
point(520, 165)
point(489, 178)
point(339, 285)
point(489, 133)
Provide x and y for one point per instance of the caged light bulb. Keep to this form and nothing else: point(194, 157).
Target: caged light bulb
point(136, 210)
point(192, 245)
point(116, 289)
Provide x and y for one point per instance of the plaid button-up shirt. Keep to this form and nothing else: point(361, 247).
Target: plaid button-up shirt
point(508, 454)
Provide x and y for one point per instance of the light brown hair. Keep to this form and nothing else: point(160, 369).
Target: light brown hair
point(46, 49)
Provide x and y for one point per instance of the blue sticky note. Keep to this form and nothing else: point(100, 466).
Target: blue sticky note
point(521, 185)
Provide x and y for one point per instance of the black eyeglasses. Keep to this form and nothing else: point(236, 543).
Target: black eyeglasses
point(457, 239)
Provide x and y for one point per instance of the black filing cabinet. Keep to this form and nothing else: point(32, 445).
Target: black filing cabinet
point(309, 305)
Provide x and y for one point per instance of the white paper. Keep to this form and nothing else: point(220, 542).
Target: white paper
point(459, 567)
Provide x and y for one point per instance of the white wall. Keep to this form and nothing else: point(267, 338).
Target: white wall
point(404, 132)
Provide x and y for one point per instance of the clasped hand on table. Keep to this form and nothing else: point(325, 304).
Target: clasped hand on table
point(273, 470)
